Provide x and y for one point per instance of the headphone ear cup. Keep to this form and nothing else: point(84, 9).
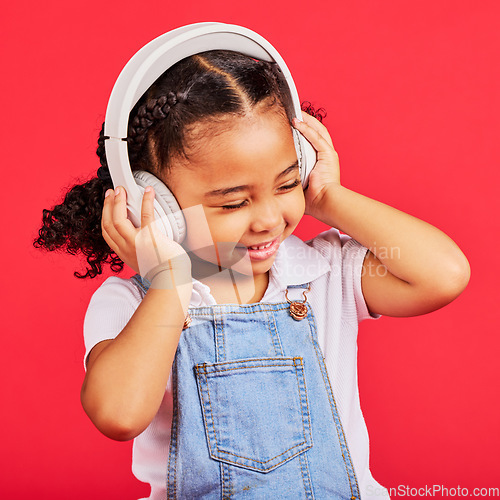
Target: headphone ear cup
point(168, 211)
point(306, 155)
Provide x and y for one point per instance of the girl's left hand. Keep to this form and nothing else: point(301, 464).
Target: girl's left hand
point(326, 172)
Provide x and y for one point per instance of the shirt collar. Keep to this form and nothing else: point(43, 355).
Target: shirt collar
point(296, 263)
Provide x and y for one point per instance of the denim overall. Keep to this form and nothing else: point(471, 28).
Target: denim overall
point(254, 414)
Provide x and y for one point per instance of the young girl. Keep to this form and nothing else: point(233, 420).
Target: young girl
point(254, 396)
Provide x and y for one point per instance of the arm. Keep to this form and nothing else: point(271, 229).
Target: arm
point(412, 267)
point(126, 377)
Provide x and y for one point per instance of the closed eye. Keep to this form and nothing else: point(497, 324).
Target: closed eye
point(288, 187)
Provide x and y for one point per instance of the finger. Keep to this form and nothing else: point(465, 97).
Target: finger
point(109, 233)
point(318, 126)
point(320, 144)
point(147, 233)
point(147, 208)
point(150, 235)
point(122, 224)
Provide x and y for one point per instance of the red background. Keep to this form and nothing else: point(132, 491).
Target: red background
point(411, 90)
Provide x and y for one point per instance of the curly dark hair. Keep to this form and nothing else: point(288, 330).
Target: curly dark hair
point(210, 86)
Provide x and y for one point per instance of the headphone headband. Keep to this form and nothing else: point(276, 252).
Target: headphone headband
point(149, 63)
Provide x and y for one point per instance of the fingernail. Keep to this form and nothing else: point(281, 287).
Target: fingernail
point(148, 189)
point(117, 191)
point(108, 192)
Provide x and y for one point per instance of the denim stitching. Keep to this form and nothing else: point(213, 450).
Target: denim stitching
point(212, 428)
point(215, 372)
point(265, 461)
point(220, 338)
point(172, 485)
point(260, 461)
point(334, 410)
point(275, 337)
point(343, 442)
point(200, 314)
point(222, 481)
point(285, 361)
point(216, 338)
point(203, 407)
point(223, 333)
point(226, 481)
point(307, 400)
point(250, 467)
point(306, 476)
point(229, 483)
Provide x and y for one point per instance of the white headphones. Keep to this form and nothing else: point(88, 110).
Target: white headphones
point(145, 67)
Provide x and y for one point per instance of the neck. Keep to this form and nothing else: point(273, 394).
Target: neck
point(227, 285)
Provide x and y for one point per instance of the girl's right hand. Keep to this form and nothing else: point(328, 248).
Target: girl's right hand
point(142, 248)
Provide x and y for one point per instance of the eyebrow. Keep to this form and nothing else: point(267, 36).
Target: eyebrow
point(237, 189)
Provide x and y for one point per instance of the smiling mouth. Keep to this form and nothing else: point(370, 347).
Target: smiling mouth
point(261, 246)
point(263, 251)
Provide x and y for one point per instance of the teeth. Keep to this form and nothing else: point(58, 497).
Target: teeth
point(261, 247)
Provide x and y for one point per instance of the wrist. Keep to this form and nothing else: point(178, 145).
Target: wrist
point(326, 203)
point(170, 274)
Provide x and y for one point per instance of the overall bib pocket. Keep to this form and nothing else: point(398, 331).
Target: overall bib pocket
point(255, 411)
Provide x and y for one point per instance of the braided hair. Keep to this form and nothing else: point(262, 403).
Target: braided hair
point(209, 87)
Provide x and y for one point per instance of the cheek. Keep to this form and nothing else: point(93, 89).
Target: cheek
point(297, 205)
point(217, 244)
point(199, 230)
point(226, 226)
point(205, 230)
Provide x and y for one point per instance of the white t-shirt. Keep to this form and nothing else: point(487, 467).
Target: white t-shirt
point(334, 263)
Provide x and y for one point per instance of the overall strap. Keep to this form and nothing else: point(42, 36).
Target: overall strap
point(141, 282)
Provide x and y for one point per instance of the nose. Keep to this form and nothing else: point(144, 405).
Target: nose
point(266, 217)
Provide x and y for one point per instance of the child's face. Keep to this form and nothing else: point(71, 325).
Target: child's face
point(255, 152)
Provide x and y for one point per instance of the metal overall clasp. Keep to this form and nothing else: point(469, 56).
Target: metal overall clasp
point(298, 310)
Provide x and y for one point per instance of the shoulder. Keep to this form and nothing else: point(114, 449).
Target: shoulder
point(116, 290)
point(339, 248)
point(114, 300)
point(325, 240)
point(346, 258)
point(110, 309)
